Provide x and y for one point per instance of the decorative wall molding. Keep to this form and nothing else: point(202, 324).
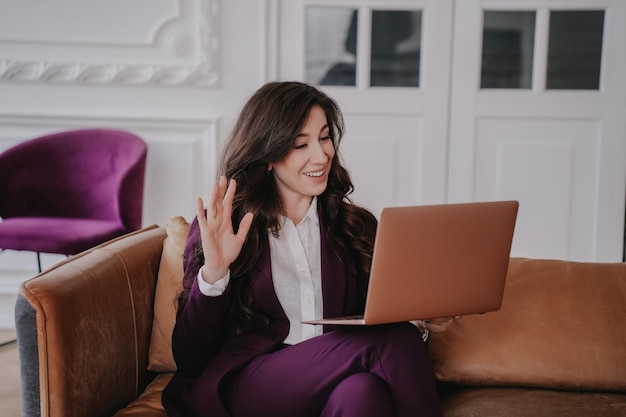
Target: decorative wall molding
point(190, 41)
point(203, 74)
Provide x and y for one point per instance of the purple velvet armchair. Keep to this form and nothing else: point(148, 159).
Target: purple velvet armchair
point(66, 192)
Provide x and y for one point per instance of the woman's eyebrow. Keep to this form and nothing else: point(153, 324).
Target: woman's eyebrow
point(301, 134)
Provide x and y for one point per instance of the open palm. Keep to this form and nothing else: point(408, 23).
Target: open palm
point(220, 244)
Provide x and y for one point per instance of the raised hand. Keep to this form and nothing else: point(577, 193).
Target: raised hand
point(220, 244)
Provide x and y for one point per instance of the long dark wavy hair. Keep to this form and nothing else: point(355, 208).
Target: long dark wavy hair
point(264, 133)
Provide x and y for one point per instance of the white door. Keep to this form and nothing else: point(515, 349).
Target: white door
point(518, 119)
point(386, 64)
point(537, 115)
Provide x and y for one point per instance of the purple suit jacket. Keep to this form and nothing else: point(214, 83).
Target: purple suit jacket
point(206, 353)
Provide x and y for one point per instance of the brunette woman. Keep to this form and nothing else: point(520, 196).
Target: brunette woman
point(280, 242)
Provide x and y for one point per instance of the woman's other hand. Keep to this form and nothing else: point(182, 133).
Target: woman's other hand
point(220, 244)
point(435, 325)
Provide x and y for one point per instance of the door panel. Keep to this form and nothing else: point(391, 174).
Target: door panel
point(556, 145)
point(531, 116)
point(550, 163)
point(383, 164)
point(395, 141)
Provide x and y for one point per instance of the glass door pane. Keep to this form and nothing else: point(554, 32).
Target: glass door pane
point(575, 50)
point(395, 48)
point(508, 48)
point(332, 37)
point(330, 45)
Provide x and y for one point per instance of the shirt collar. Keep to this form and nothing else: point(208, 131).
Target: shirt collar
point(311, 215)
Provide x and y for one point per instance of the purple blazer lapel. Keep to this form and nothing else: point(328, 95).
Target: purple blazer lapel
point(263, 284)
point(335, 283)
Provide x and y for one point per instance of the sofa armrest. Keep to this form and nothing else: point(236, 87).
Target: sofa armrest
point(94, 317)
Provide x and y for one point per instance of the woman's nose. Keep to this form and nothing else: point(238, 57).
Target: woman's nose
point(318, 154)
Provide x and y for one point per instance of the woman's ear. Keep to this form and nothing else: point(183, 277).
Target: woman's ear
point(269, 168)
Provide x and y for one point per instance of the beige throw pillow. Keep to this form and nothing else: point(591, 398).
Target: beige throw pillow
point(169, 284)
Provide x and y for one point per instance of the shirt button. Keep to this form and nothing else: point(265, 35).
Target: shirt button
point(308, 301)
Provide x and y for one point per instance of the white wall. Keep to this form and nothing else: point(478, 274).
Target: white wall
point(174, 71)
point(177, 72)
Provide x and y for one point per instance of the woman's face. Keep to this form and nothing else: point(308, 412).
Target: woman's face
point(303, 172)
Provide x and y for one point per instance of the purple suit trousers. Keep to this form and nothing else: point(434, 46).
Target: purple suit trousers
point(375, 371)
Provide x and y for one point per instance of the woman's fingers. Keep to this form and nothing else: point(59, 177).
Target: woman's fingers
point(220, 244)
point(217, 222)
point(200, 209)
point(244, 226)
point(439, 324)
point(220, 203)
point(229, 194)
point(217, 196)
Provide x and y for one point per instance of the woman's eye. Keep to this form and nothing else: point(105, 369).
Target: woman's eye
point(302, 146)
point(326, 138)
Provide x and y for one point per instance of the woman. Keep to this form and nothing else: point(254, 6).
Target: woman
point(280, 243)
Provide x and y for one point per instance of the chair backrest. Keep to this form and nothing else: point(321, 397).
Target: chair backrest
point(88, 173)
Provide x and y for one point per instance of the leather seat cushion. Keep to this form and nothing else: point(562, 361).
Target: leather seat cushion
point(524, 402)
point(149, 402)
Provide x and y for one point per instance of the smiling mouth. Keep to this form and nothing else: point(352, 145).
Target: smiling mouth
point(315, 174)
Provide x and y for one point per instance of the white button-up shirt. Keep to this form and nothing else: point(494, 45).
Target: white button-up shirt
point(296, 272)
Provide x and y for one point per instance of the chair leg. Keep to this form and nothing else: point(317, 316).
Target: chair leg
point(39, 261)
point(8, 343)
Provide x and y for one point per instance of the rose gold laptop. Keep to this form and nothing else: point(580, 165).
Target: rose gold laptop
point(437, 261)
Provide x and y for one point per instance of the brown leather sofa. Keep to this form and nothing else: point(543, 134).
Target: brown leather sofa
point(101, 346)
